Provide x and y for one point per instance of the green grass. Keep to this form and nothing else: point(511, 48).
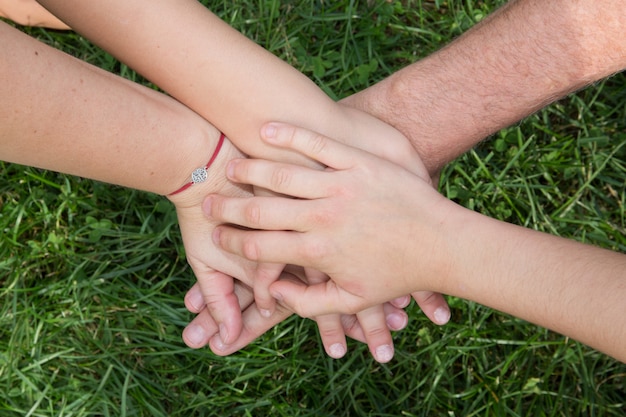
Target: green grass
point(92, 276)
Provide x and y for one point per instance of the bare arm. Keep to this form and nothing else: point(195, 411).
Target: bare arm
point(59, 113)
point(404, 242)
point(522, 57)
point(62, 114)
point(219, 73)
point(30, 13)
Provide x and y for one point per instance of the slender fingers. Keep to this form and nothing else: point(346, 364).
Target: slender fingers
point(318, 299)
point(278, 247)
point(317, 147)
point(267, 213)
point(286, 179)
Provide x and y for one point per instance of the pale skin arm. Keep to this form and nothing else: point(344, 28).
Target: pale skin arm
point(201, 61)
point(50, 100)
point(62, 114)
point(404, 242)
point(525, 55)
point(29, 13)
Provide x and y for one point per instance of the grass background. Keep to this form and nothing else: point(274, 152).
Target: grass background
point(92, 276)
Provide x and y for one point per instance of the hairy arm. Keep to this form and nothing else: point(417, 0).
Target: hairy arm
point(519, 59)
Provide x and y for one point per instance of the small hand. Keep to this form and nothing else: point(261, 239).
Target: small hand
point(213, 267)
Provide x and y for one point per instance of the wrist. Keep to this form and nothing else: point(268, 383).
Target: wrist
point(185, 195)
point(200, 175)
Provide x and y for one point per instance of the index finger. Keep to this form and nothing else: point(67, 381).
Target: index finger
point(314, 145)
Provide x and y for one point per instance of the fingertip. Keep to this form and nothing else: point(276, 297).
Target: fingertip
point(195, 336)
point(337, 350)
point(442, 315)
point(278, 296)
point(230, 169)
point(401, 302)
point(384, 353)
point(218, 346)
point(268, 131)
point(397, 320)
point(194, 302)
point(223, 332)
point(216, 236)
point(206, 206)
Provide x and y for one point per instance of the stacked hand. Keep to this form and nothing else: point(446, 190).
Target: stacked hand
point(334, 223)
point(228, 318)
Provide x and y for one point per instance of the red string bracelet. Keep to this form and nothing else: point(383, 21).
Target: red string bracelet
point(201, 174)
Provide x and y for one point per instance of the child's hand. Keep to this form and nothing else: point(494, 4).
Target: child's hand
point(213, 267)
point(218, 295)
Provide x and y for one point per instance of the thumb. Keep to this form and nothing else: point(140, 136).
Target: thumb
point(218, 292)
point(314, 300)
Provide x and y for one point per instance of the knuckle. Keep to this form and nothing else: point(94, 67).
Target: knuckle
point(317, 144)
point(250, 249)
point(252, 214)
point(330, 332)
point(378, 332)
point(315, 251)
point(322, 217)
point(280, 178)
point(217, 208)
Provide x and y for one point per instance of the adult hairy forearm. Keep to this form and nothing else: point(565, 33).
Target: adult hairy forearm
point(62, 114)
point(522, 57)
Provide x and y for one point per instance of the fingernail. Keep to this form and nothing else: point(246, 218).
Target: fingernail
point(230, 169)
point(402, 302)
point(216, 236)
point(196, 300)
point(195, 334)
point(206, 206)
point(337, 350)
point(265, 313)
point(223, 332)
point(269, 131)
point(397, 321)
point(384, 353)
point(442, 315)
point(217, 343)
point(277, 296)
